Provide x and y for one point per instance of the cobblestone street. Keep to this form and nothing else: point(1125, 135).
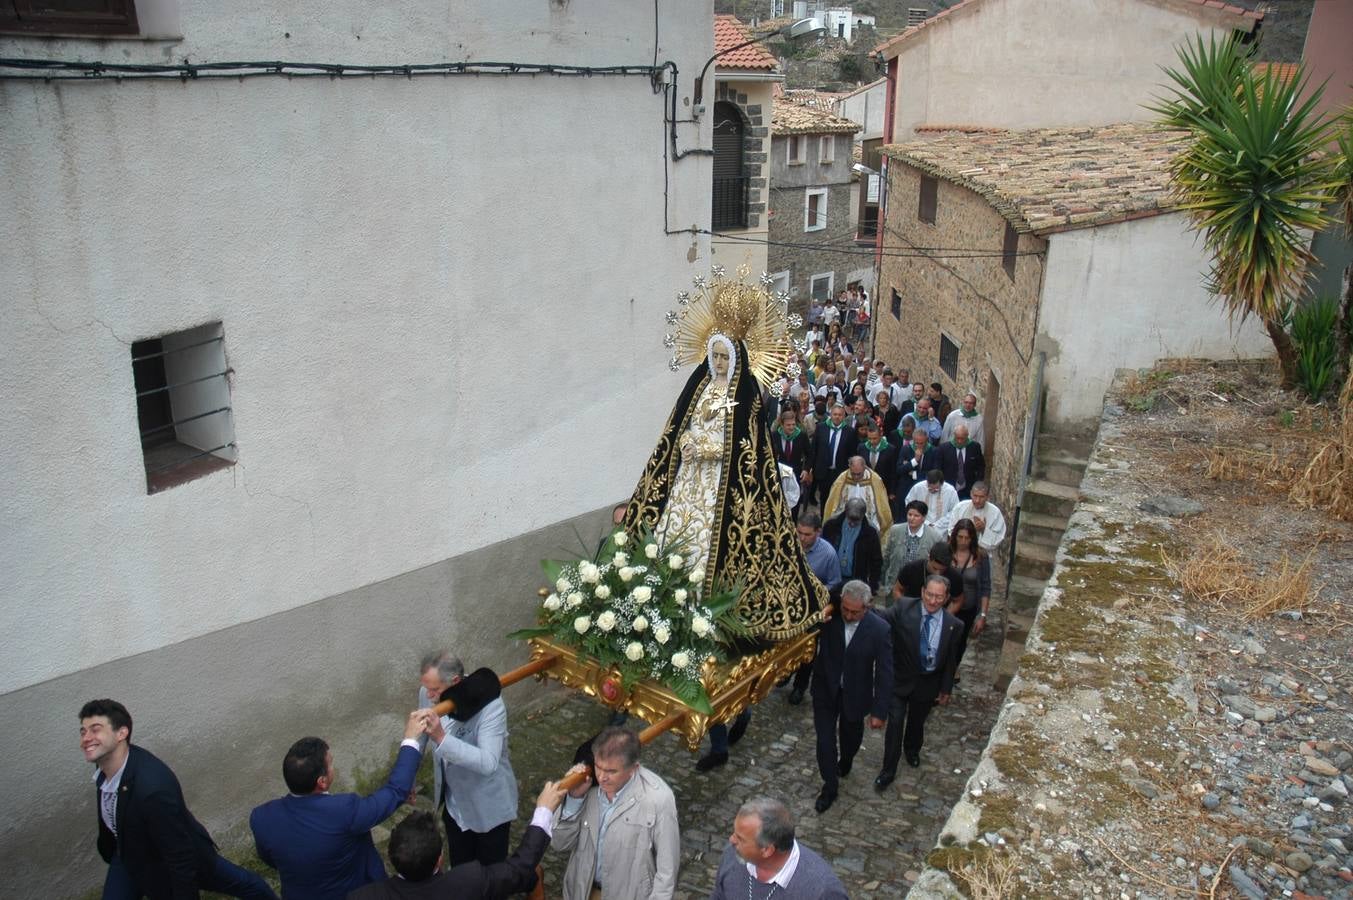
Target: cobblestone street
point(875, 842)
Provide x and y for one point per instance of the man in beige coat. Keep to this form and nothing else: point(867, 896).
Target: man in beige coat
point(622, 831)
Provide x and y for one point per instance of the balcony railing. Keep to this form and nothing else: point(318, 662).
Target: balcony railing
point(730, 202)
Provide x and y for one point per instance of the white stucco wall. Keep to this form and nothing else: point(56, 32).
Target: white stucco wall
point(866, 106)
point(1035, 64)
point(1125, 296)
point(442, 301)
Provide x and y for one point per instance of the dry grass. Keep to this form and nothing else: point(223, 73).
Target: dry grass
point(1216, 573)
point(1243, 464)
point(992, 876)
point(1327, 482)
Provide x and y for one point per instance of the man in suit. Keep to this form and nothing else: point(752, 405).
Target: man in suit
point(475, 788)
point(320, 843)
point(790, 443)
point(925, 644)
point(962, 462)
point(416, 853)
point(763, 859)
point(858, 552)
point(833, 445)
point(852, 678)
point(881, 457)
point(153, 845)
point(621, 833)
point(913, 466)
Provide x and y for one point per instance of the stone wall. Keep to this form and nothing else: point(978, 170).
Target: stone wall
point(971, 301)
point(832, 249)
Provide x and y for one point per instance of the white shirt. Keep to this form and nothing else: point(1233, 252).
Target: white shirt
point(938, 505)
point(993, 531)
point(831, 315)
point(108, 795)
point(975, 430)
point(786, 872)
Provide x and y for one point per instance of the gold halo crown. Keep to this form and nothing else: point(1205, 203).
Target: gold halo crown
point(742, 311)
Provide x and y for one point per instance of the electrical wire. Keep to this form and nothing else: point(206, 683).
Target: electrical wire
point(892, 252)
point(75, 70)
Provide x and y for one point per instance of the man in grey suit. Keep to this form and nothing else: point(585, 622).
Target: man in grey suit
point(763, 859)
point(925, 655)
point(475, 786)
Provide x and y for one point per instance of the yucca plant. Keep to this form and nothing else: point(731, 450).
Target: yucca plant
point(1315, 331)
point(1254, 177)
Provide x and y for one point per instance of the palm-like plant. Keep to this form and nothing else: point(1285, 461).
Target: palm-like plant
point(1254, 177)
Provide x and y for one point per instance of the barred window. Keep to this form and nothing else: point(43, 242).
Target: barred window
point(948, 356)
point(183, 405)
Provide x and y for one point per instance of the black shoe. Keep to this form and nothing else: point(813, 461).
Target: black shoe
point(796, 696)
point(884, 779)
point(843, 767)
point(711, 761)
point(738, 730)
point(914, 760)
point(825, 800)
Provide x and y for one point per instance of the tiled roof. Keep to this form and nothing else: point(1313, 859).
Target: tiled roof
point(789, 117)
point(729, 32)
point(907, 34)
point(1283, 72)
point(809, 97)
point(1055, 179)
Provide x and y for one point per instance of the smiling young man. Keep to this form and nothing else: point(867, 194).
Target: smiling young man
point(152, 844)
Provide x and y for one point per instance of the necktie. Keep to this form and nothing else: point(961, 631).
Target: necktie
point(836, 435)
point(927, 659)
point(961, 479)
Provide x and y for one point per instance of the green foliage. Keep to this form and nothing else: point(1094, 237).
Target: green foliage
point(644, 609)
point(1315, 331)
point(1252, 176)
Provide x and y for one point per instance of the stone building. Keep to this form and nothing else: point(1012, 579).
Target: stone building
point(1053, 254)
point(253, 329)
point(812, 221)
point(743, 81)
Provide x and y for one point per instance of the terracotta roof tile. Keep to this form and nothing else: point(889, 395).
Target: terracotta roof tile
point(1283, 72)
point(908, 33)
point(789, 117)
point(1055, 179)
point(729, 32)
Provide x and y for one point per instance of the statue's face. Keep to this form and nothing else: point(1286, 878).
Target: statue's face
point(719, 360)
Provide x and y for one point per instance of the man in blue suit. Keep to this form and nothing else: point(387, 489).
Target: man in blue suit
point(852, 678)
point(320, 843)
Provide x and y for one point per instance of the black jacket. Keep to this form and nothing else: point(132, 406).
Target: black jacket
point(904, 620)
point(868, 557)
point(471, 880)
point(974, 465)
point(862, 673)
point(163, 847)
point(822, 449)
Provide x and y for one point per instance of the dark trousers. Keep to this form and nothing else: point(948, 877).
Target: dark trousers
point(718, 734)
point(906, 723)
point(224, 877)
point(463, 846)
point(802, 675)
point(831, 725)
point(967, 617)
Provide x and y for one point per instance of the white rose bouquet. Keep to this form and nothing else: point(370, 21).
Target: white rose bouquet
point(649, 614)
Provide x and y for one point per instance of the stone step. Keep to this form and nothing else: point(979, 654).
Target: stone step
point(1050, 498)
point(1033, 568)
point(1043, 520)
point(1059, 473)
point(1029, 586)
point(1032, 534)
point(1062, 458)
point(1041, 552)
point(1053, 489)
point(1079, 444)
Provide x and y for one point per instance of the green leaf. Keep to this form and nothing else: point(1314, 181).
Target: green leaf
point(693, 694)
point(522, 634)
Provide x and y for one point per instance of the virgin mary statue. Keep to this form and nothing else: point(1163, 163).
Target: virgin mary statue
point(711, 489)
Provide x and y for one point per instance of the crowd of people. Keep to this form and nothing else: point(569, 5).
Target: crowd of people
point(885, 481)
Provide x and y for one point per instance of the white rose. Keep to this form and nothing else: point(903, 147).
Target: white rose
point(562, 585)
point(680, 659)
point(581, 624)
point(642, 594)
point(639, 624)
point(651, 551)
point(661, 634)
point(698, 575)
point(606, 621)
point(700, 625)
point(679, 595)
point(620, 538)
point(553, 602)
point(626, 574)
point(602, 592)
point(634, 651)
point(620, 559)
point(676, 561)
point(575, 598)
point(589, 573)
